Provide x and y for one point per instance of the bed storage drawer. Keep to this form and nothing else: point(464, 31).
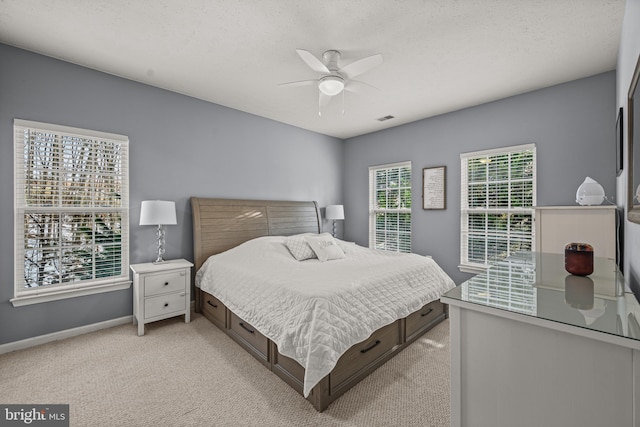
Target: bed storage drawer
point(214, 310)
point(416, 322)
point(287, 369)
point(249, 337)
point(359, 357)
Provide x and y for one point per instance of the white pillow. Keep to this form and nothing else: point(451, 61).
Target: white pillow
point(299, 247)
point(325, 247)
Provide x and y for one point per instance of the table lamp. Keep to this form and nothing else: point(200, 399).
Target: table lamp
point(334, 212)
point(160, 213)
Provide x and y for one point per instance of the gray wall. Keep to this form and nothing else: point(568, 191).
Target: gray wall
point(179, 147)
point(572, 125)
point(627, 58)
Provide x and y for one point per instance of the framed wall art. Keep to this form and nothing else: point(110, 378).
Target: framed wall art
point(619, 141)
point(434, 184)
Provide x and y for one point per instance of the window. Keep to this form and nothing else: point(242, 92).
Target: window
point(390, 207)
point(71, 212)
point(498, 192)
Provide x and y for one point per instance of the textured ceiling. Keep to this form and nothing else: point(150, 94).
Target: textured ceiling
point(439, 55)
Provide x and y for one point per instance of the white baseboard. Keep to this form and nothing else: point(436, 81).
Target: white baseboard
point(67, 333)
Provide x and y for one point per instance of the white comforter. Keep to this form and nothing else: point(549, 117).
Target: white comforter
point(315, 311)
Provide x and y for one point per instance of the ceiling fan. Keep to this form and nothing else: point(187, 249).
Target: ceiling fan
point(333, 79)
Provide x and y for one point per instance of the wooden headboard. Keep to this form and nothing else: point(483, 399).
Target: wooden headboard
point(221, 224)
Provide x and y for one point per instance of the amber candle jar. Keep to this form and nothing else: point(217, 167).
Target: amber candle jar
point(578, 259)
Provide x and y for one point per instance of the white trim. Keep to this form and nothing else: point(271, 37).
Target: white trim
point(465, 211)
point(59, 291)
point(468, 268)
point(523, 147)
point(399, 210)
point(373, 197)
point(391, 165)
point(49, 127)
point(67, 333)
point(503, 210)
point(53, 295)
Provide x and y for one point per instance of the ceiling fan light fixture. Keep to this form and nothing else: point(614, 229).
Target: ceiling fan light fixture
point(331, 85)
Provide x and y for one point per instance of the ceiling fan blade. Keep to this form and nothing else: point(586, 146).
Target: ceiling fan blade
point(357, 86)
point(361, 66)
point(300, 83)
point(314, 63)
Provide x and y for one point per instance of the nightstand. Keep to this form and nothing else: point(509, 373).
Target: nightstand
point(160, 291)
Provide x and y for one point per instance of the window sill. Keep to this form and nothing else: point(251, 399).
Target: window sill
point(54, 295)
point(472, 269)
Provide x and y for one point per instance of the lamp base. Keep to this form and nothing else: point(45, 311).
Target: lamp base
point(160, 240)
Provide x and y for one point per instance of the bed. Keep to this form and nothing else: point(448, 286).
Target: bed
point(292, 313)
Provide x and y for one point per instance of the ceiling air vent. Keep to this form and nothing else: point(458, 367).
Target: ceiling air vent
point(385, 118)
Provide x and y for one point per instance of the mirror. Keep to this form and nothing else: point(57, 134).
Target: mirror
point(633, 152)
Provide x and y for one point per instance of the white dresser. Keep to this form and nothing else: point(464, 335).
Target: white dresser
point(555, 226)
point(161, 291)
point(564, 351)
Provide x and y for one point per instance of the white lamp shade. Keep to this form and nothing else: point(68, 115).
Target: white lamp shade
point(158, 212)
point(335, 212)
point(590, 193)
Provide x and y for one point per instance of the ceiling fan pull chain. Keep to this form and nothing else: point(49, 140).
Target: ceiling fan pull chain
point(343, 102)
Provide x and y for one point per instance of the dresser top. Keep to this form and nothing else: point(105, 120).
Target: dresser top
point(537, 285)
point(578, 207)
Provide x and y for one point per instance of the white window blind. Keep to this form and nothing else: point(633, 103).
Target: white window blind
point(498, 192)
point(71, 208)
point(390, 207)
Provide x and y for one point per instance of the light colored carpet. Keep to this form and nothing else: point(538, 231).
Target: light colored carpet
point(181, 374)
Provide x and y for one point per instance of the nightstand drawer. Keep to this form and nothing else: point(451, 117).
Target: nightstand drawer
point(164, 305)
point(160, 283)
